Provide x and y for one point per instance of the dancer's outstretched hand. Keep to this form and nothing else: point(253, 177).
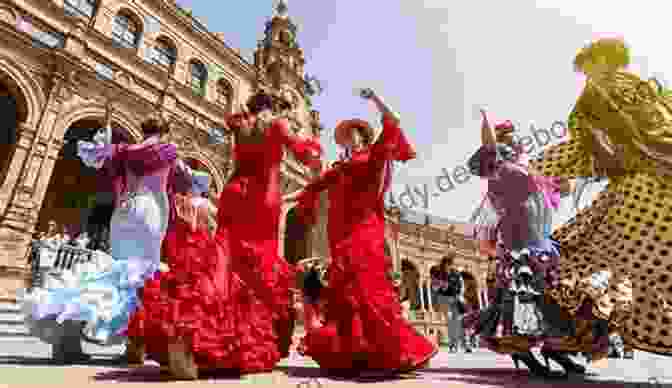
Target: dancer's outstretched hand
point(484, 117)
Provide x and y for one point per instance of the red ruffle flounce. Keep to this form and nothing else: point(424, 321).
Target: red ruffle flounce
point(365, 329)
point(224, 316)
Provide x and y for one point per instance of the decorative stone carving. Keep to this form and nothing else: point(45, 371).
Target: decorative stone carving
point(84, 95)
point(124, 79)
point(8, 14)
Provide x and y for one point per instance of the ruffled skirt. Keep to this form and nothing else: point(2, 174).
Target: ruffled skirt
point(224, 316)
point(104, 295)
point(102, 298)
point(521, 314)
point(365, 328)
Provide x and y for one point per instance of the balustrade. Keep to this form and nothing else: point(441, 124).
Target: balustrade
point(54, 260)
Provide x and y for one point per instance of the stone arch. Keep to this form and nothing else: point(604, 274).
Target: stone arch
point(295, 237)
point(22, 99)
point(215, 173)
point(169, 42)
point(96, 110)
point(133, 15)
point(26, 89)
point(74, 191)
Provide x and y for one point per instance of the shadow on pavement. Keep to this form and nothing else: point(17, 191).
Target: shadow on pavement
point(144, 374)
point(149, 373)
point(101, 361)
point(513, 379)
point(302, 372)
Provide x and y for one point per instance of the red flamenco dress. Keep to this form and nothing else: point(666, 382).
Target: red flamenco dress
point(365, 329)
point(228, 298)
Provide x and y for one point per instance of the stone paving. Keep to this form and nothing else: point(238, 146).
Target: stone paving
point(25, 363)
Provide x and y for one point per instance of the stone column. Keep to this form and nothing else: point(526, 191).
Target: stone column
point(24, 141)
point(13, 234)
point(33, 163)
point(422, 296)
point(428, 287)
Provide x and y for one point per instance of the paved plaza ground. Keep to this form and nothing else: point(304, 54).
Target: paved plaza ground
point(25, 363)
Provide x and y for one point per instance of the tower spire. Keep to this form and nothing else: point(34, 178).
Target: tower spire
point(281, 9)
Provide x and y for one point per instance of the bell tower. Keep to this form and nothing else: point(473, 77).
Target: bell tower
point(278, 57)
point(279, 63)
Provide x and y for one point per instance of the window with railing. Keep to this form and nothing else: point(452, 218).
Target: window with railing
point(165, 54)
point(81, 8)
point(104, 71)
point(125, 31)
point(199, 76)
point(48, 39)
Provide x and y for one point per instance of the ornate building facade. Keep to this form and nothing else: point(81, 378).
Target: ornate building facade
point(65, 64)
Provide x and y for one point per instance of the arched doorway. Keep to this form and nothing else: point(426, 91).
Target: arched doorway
point(296, 238)
point(78, 197)
point(13, 110)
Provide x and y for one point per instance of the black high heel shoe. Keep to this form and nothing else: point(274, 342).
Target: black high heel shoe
point(565, 362)
point(531, 363)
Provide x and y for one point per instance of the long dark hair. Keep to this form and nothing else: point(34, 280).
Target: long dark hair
point(259, 102)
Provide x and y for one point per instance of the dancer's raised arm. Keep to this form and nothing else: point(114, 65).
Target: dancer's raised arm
point(391, 144)
point(307, 150)
point(382, 106)
point(95, 153)
point(308, 199)
point(488, 136)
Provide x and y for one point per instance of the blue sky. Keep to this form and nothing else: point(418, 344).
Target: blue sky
point(437, 61)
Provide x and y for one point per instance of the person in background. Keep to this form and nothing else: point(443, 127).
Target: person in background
point(54, 236)
point(312, 287)
point(449, 286)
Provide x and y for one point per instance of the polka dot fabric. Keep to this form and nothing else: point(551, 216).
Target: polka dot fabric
point(564, 160)
point(625, 237)
point(618, 252)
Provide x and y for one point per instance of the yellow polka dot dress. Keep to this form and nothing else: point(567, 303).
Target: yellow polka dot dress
point(618, 252)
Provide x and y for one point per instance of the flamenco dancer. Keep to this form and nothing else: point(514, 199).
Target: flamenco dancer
point(99, 305)
point(225, 305)
point(516, 216)
point(620, 128)
point(365, 331)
